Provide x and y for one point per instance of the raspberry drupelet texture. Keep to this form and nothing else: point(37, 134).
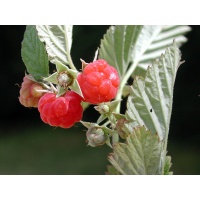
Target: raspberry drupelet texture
point(63, 111)
point(30, 93)
point(99, 82)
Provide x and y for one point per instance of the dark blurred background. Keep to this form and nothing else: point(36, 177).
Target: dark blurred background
point(28, 146)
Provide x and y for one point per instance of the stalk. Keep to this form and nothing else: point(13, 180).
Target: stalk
point(71, 64)
point(124, 80)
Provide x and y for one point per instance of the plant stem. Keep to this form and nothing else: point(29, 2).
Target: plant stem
point(71, 64)
point(123, 83)
point(124, 80)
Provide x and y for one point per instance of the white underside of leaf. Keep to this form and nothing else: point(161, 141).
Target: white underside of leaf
point(139, 45)
point(165, 38)
point(150, 100)
point(140, 155)
point(58, 40)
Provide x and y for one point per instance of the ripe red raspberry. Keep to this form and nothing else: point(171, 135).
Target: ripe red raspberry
point(29, 93)
point(61, 111)
point(99, 82)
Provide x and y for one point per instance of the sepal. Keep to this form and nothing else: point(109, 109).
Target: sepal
point(97, 135)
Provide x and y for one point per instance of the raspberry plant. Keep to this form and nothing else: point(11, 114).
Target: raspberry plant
point(147, 56)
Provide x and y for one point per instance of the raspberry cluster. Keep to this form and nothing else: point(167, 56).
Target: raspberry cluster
point(30, 93)
point(61, 111)
point(98, 82)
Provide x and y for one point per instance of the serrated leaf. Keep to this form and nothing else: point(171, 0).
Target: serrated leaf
point(163, 39)
point(136, 46)
point(139, 155)
point(58, 40)
point(167, 166)
point(150, 99)
point(112, 170)
point(34, 54)
point(117, 45)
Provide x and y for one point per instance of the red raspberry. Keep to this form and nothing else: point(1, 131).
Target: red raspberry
point(99, 82)
point(61, 111)
point(29, 93)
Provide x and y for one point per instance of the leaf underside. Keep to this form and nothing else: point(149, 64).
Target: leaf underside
point(124, 45)
point(164, 38)
point(149, 107)
point(139, 155)
point(168, 164)
point(117, 45)
point(112, 171)
point(58, 41)
point(150, 99)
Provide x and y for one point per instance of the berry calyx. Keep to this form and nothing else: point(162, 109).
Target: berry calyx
point(64, 79)
point(63, 111)
point(30, 93)
point(99, 82)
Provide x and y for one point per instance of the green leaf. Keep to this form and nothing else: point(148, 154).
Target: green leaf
point(58, 40)
point(126, 47)
point(117, 45)
point(167, 166)
point(34, 54)
point(139, 155)
point(112, 170)
point(150, 99)
point(163, 39)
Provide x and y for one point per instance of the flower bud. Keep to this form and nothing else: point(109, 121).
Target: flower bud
point(103, 109)
point(96, 136)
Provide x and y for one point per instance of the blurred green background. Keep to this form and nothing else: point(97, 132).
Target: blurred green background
point(28, 146)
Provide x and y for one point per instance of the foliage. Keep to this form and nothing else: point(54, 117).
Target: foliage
point(131, 50)
point(34, 54)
